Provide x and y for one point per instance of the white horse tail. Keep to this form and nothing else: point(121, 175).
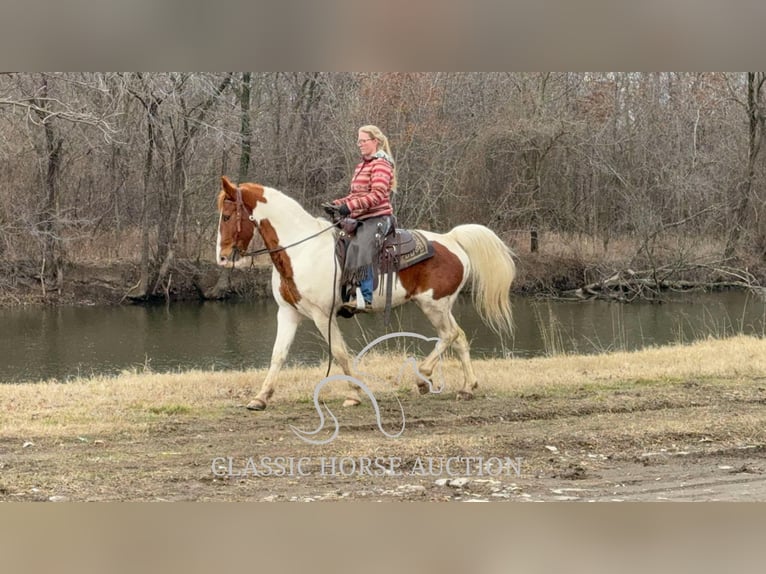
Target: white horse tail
point(492, 270)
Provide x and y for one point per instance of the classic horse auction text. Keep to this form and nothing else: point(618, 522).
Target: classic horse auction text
point(288, 466)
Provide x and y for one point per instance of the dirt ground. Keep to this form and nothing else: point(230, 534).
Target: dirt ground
point(642, 440)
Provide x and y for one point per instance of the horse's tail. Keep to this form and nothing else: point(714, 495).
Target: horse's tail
point(492, 270)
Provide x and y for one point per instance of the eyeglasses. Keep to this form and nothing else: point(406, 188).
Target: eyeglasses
point(360, 142)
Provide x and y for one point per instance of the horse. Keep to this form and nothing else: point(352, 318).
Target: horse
point(305, 284)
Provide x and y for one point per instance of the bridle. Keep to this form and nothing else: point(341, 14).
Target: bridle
point(240, 207)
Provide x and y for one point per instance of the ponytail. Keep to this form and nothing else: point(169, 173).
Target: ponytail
point(383, 146)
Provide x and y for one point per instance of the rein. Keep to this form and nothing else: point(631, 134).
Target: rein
point(241, 205)
point(282, 248)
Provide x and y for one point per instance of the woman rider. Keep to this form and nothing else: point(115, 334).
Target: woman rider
point(368, 202)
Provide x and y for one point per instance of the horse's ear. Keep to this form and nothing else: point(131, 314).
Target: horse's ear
point(228, 187)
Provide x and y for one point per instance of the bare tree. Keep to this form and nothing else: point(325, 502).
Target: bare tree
point(744, 188)
point(50, 104)
point(126, 166)
point(246, 132)
point(150, 99)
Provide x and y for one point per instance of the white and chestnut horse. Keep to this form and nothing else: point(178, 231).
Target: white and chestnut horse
point(304, 282)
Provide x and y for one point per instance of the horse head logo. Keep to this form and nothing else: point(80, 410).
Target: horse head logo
point(409, 362)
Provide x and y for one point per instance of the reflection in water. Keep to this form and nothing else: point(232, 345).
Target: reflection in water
point(66, 342)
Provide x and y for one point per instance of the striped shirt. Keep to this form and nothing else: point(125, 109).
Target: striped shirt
point(370, 189)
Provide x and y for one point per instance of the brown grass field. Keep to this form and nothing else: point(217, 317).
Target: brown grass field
point(675, 423)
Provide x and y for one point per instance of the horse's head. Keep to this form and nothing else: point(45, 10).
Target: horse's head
point(235, 230)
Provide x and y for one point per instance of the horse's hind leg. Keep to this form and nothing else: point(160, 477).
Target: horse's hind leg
point(288, 320)
point(339, 353)
point(439, 313)
point(460, 344)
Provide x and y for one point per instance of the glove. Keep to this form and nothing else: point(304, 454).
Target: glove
point(330, 208)
point(344, 210)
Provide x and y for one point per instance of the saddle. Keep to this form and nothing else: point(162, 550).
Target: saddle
point(396, 250)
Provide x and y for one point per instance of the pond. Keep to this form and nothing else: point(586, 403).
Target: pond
point(65, 342)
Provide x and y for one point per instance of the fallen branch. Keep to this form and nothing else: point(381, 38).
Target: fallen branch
point(629, 285)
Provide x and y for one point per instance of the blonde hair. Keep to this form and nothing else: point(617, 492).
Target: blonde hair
point(380, 137)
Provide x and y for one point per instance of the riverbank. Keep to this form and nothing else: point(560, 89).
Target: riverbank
point(561, 270)
point(682, 423)
point(111, 283)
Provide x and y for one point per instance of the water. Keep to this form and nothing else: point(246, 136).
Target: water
point(61, 343)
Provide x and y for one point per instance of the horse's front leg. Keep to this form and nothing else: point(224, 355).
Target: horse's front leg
point(339, 353)
point(288, 320)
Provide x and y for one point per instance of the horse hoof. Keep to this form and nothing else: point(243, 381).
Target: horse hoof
point(464, 395)
point(256, 405)
point(351, 403)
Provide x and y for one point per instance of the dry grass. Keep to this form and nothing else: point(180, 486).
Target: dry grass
point(726, 358)
point(567, 261)
point(618, 418)
point(110, 245)
point(619, 249)
point(132, 402)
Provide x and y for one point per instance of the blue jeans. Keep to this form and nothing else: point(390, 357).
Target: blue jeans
point(366, 286)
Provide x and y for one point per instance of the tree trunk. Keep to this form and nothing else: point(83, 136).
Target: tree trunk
point(754, 114)
point(151, 116)
point(172, 208)
point(52, 264)
point(53, 248)
point(246, 133)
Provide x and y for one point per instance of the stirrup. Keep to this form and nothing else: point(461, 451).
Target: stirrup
point(354, 306)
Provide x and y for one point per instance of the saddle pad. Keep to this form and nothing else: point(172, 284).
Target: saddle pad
point(420, 252)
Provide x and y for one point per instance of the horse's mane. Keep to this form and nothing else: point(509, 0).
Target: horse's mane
point(293, 203)
point(276, 194)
